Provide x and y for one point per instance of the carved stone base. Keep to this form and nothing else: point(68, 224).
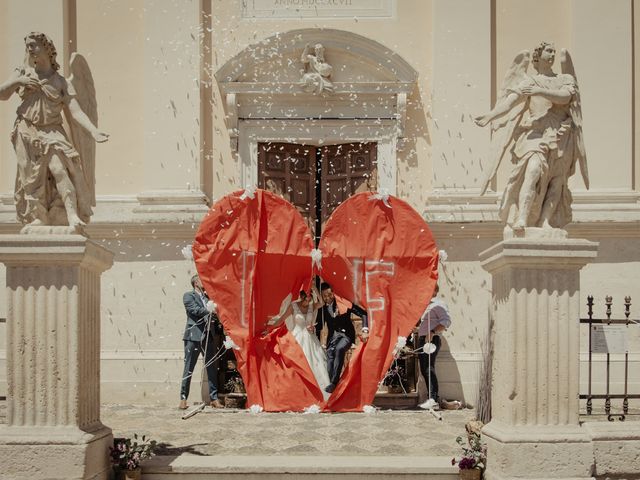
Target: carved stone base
point(532, 452)
point(52, 230)
point(533, 233)
point(54, 453)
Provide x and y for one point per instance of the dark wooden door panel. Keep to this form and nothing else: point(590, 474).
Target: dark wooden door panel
point(289, 170)
point(347, 169)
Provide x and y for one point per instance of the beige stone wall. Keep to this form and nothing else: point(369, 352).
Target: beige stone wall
point(152, 62)
point(121, 85)
point(636, 97)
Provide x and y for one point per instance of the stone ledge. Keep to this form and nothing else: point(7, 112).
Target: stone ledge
point(613, 430)
point(53, 250)
point(536, 433)
point(315, 465)
point(616, 448)
point(53, 435)
point(539, 253)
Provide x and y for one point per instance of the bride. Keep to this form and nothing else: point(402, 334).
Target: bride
point(298, 316)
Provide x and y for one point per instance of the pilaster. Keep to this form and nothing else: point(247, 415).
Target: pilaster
point(53, 358)
point(462, 84)
point(535, 430)
point(176, 141)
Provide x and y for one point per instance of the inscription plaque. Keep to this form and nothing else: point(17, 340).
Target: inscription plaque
point(317, 8)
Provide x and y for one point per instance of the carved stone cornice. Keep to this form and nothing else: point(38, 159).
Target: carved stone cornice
point(379, 90)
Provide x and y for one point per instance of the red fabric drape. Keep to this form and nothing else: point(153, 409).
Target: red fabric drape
point(252, 253)
point(385, 260)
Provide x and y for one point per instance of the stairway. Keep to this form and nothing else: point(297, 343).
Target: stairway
point(194, 467)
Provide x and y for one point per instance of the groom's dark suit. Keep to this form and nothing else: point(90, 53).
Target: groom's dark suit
point(196, 340)
point(341, 335)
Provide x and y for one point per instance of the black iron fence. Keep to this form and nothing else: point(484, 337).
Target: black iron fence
point(609, 336)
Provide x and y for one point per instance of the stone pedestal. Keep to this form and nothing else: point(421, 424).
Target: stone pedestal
point(534, 431)
point(53, 358)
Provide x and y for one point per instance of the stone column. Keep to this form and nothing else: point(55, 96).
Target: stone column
point(53, 358)
point(534, 431)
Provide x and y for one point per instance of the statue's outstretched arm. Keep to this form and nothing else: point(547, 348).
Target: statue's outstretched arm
point(503, 106)
point(13, 82)
point(511, 92)
point(82, 119)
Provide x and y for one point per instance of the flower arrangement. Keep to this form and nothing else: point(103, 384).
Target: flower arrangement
point(395, 377)
point(235, 385)
point(474, 452)
point(127, 453)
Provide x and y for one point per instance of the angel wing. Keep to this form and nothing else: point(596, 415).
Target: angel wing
point(502, 128)
point(575, 110)
point(82, 82)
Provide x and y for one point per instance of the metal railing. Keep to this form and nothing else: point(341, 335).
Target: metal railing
point(606, 338)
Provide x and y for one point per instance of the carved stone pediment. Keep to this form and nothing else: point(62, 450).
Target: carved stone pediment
point(269, 80)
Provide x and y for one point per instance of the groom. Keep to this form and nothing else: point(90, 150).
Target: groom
point(342, 333)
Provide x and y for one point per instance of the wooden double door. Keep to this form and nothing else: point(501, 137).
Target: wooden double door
point(317, 179)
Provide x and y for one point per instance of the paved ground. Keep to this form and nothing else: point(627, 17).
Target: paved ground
point(229, 432)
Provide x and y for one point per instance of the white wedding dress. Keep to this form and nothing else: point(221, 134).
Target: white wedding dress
point(297, 324)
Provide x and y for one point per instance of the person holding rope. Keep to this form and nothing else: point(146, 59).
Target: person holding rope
point(202, 323)
point(435, 320)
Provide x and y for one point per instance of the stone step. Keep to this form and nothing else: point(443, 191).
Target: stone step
point(195, 467)
point(396, 401)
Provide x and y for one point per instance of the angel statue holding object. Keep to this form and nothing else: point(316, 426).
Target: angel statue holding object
point(537, 123)
point(55, 183)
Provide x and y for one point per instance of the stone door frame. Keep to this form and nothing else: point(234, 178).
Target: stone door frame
point(265, 99)
point(318, 133)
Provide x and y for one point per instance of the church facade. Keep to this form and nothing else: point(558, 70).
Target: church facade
point(317, 100)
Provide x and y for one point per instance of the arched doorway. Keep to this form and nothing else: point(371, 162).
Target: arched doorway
point(268, 99)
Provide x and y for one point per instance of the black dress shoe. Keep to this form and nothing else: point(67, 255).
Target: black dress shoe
point(330, 388)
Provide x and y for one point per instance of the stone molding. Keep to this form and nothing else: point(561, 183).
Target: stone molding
point(54, 251)
point(294, 40)
point(319, 132)
point(539, 254)
point(597, 214)
point(383, 87)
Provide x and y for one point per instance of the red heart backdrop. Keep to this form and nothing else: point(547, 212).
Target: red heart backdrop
point(252, 252)
point(383, 258)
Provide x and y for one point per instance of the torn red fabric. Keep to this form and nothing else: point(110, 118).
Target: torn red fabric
point(384, 259)
point(251, 253)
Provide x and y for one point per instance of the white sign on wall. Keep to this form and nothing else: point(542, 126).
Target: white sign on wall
point(317, 8)
point(609, 339)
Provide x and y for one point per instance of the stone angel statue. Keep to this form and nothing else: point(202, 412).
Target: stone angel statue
point(537, 124)
point(316, 72)
point(55, 182)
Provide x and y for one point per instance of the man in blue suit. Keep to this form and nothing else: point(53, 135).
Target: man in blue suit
point(202, 323)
